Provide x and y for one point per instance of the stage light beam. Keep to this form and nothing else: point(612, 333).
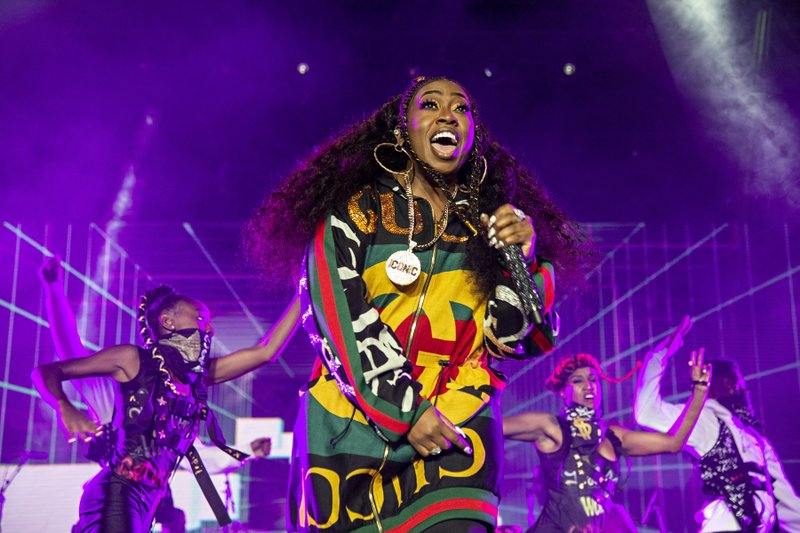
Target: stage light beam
point(717, 69)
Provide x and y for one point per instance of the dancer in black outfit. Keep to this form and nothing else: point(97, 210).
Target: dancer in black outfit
point(161, 398)
point(580, 451)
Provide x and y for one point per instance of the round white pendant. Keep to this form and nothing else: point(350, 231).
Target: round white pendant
point(403, 268)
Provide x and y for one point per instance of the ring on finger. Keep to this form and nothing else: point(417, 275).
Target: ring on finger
point(435, 451)
point(520, 213)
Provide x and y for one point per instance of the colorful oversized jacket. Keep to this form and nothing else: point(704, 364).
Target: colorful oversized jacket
point(385, 354)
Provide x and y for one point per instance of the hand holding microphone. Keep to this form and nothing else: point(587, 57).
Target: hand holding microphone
point(511, 232)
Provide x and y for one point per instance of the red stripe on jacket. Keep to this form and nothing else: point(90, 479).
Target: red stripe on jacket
point(329, 309)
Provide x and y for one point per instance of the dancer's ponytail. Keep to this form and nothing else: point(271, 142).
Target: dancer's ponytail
point(569, 364)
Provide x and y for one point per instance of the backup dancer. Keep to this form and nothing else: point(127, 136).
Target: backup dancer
point(161, 397)
point(739, 468)
point(580, 451)
point(98, 393)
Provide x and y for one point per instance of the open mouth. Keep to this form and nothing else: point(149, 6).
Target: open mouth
point(589, 396)
point(444, 144)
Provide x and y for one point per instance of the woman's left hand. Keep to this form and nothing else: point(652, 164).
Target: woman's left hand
point(509, 225)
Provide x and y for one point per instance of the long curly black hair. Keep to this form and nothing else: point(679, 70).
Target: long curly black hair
point(276, 235)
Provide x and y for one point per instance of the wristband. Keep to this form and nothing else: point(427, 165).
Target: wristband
point(701, 383)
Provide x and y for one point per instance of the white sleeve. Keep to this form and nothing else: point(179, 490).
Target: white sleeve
point(787, 503)
point(651, 411)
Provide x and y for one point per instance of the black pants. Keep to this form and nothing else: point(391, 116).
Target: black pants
point(113, 504)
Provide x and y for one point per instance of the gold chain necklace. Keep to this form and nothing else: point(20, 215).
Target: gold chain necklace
point(403, 267)
point(440, 226)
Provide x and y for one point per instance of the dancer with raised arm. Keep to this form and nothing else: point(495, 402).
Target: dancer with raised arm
point(98, 393)
point(161, 398)
point(580, 451)
point(738, 465)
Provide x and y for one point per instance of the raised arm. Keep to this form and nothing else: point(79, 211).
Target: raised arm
point(119, 362)
point(649, 408)
point(63, 327)
point(648, 443)
point(96, 392)
point(240, 362)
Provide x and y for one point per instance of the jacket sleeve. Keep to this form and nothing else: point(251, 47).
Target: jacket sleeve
point(787, 503)
point(359, 350)
point(509, 333)
point(651, 411)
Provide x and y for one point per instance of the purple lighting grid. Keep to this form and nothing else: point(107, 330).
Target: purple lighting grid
point(104, 301)
point(738, 284)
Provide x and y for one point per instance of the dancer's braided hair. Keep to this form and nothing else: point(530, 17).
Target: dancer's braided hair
point(153, 303)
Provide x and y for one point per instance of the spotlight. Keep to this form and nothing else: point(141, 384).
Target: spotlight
point(148, 120)
point(569, 69)
point(302, 68)
point(740, 106)
point(487, 72)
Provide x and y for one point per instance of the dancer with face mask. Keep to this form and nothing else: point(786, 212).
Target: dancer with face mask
point(738, 465)
point(160, 402)
point(98, 393)
point(400, 224)
point(580, 451)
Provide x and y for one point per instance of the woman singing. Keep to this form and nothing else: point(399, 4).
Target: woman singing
point(402, 224)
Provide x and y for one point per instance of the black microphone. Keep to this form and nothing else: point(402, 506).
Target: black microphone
point(34, 454)
point(523, 282)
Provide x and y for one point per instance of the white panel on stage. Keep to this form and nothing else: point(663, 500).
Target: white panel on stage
point(249, 429)
point(44, 498)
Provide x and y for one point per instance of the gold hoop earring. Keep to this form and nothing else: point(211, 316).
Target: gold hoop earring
point(465, 186)
point(396, 148)
point(485, 168)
